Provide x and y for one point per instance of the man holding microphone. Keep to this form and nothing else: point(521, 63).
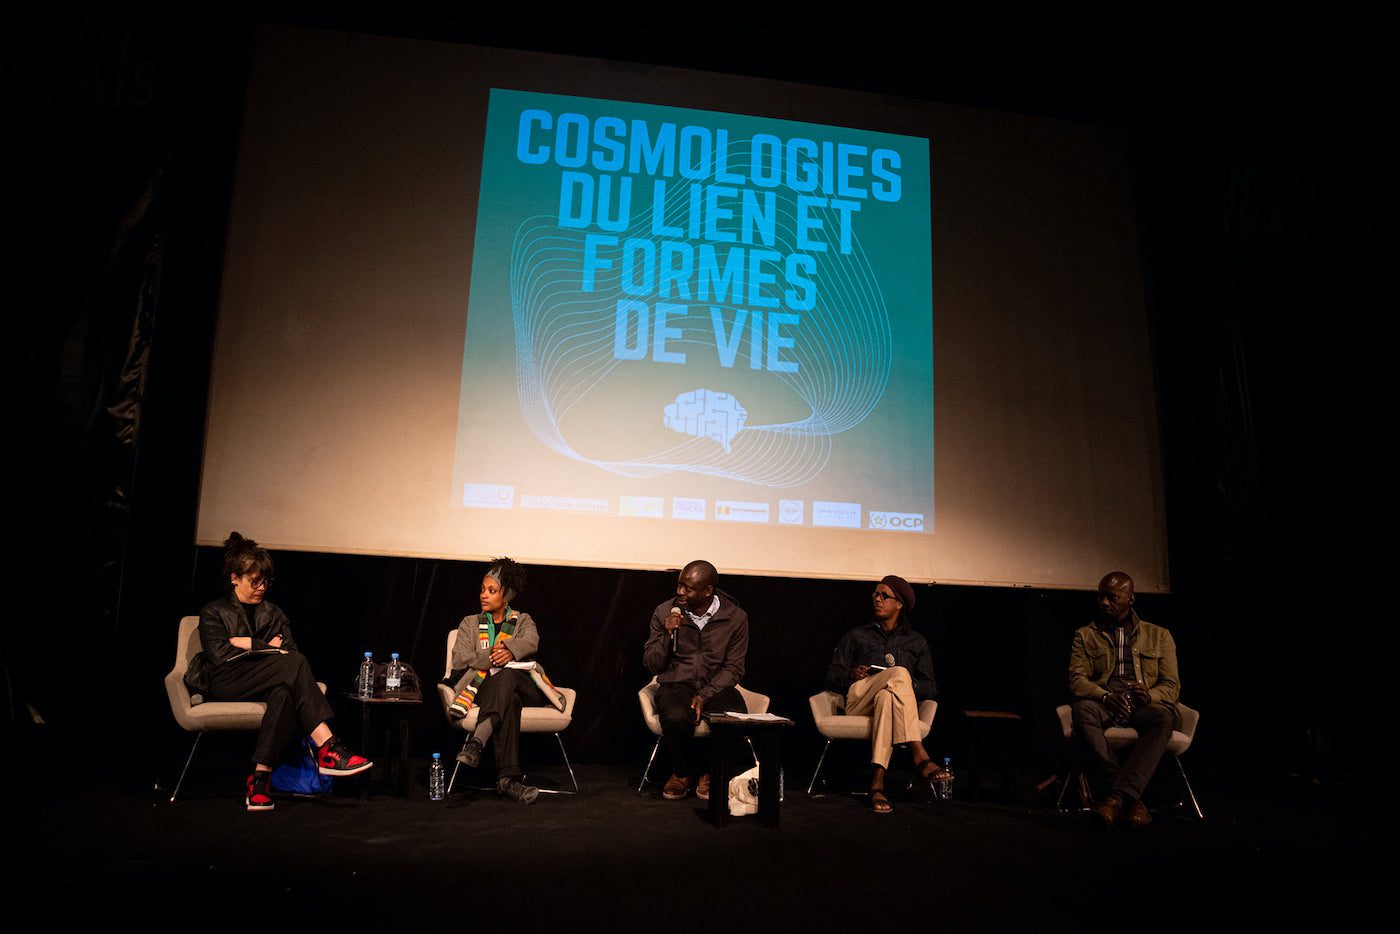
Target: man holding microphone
point(696, 648)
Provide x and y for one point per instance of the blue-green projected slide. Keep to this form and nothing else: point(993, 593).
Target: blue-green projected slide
point(688, 315)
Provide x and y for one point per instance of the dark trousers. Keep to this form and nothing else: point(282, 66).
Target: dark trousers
point(678, 720)
point(498, 704)
point(295, 704)
point(1154, 728)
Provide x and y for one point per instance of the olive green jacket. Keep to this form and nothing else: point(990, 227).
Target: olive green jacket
point(1154, 660)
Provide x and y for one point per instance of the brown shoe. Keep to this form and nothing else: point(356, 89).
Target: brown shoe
point(676, 788)
point(1109, 810)
point(702, 788)
point(1138, 815)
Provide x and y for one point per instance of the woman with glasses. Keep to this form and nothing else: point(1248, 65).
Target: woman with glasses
point(249, 655)
point(885, 668)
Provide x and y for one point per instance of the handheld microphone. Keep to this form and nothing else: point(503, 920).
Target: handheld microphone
point(675, 611)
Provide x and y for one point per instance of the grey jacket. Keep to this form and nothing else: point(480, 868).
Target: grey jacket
point(469, 657)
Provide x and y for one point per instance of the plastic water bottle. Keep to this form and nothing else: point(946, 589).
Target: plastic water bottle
point(365, 682)
point(945, 786)
point(437, 779)
point(393, 675)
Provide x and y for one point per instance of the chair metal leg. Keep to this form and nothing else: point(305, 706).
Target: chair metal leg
point(647, 771)
point(820, 762)
point(1195, 805)
point(567, 765)
point(180, 784)
point(456, 768)
point(1064, 787)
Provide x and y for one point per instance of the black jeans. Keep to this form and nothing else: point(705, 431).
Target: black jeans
point(1153, 723)
point(678, 720)
point(295, 703)
point(498, 703)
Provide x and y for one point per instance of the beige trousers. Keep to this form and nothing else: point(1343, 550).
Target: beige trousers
point(887, 698)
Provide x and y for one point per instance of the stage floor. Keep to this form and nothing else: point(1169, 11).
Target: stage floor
point(610, 859)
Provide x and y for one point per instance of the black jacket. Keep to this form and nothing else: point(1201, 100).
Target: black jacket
point(709, 659)
point(869, 644)
point(224, 619)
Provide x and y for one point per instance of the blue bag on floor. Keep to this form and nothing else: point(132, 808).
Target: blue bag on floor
point(301, 776)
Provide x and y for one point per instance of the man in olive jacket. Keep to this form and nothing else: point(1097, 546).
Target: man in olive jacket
point(1122, 672)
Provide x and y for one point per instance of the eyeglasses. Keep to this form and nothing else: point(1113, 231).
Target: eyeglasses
point(882, 596)
point(259, 583)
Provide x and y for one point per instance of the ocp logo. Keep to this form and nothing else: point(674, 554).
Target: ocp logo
point(897, 521)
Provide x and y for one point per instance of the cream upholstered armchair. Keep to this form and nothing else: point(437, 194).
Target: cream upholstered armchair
point(532, 720)
point(829, 712)
point(753, 703)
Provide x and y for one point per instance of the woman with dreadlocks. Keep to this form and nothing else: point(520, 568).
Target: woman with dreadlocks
point(493, 670)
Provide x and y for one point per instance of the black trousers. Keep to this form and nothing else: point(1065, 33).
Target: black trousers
point(1153, 723)
point(678, 720)
point(295, 704)
point(498, 704)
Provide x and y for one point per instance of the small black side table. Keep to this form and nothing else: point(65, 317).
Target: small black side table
point(1002, 727)
point(766, 735)
point(386, 703)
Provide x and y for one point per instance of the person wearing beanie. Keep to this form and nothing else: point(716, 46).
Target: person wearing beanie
point(885, 668)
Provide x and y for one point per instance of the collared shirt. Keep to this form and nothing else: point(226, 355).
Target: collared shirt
point(700, 621)
point(1122, 636)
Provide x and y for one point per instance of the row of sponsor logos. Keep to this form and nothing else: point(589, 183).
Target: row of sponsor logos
point(825, 513)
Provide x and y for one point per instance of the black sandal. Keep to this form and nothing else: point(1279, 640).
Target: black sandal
point(880, 804)
point(932, 772)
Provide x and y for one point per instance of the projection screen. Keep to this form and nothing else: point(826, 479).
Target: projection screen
point(483, 302)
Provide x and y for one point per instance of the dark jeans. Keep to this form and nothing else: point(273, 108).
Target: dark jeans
point(498, 704)
point(295, 703)
point(1154, 728)
point(678, 720)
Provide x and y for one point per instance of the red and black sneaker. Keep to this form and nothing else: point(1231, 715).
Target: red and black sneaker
point(260, 792)
point(335, 759)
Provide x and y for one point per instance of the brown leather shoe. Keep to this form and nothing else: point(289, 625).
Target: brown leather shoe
point(1109, 810)
point(702, 788)
point(1138, 815)
point(676, 788)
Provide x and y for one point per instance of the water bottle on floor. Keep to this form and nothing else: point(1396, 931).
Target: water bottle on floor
point(393, 676)
point(364, 683)
point(437, 779)
point(945, 786)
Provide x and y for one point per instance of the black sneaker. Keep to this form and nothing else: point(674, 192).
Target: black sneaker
point(470, 756)
point(336, 760)
point(515, 791)
point(259, 796)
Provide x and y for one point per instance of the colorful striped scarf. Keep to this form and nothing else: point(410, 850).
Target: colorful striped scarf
point(488, 635)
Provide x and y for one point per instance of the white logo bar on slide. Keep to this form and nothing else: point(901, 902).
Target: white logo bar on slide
point(565, 503)
point(687, 507)
point(731, 510)
point(645, 507)
point(790, 511)
point(488, 496)
point(836, 515)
